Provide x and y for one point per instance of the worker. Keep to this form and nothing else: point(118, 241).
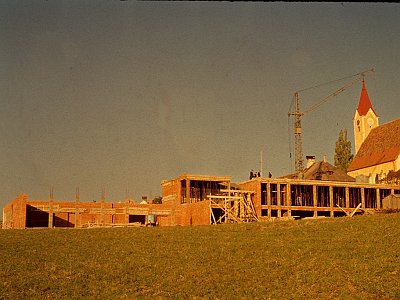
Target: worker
point(251, 174)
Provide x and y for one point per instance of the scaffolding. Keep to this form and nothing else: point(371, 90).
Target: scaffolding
point(232, 206)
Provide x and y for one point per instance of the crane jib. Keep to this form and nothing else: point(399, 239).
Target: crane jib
point(299, 167)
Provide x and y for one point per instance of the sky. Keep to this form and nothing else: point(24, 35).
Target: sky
point(121, 95)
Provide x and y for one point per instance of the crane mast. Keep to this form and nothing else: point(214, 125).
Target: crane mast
point(297, 113)
point(299, 163)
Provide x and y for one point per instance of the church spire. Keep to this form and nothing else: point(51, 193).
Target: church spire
point(365, 118)
point(364, 104)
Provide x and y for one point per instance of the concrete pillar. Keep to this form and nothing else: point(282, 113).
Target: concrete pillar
point(278, 200)
point(257, 198)
point(289, 199)
point(378, 199)
point(332, 214)
point(269, 199)
point(315, 200)
point(362, 198)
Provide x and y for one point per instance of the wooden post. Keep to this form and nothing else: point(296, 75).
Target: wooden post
point(212, 214)
point(226, 215)
point(278, 200)
point(331, 201)
point(362, 198)
point(355, 210)
point(378, 199)
point(289, 199)
point(237, 211)
point(242, 203)
point(347, 192)
point(315, 200)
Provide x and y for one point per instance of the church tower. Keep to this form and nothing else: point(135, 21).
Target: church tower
point(365, 118)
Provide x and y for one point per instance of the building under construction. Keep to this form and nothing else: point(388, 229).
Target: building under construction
point(203, 200)
point(320, 190)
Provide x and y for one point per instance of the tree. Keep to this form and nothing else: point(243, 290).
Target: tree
point(343, 156)
point(392, 177)
point(157, 200)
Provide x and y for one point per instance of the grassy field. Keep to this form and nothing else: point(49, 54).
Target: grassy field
point(345, 258)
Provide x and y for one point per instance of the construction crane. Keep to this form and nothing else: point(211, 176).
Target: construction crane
point(297, 113)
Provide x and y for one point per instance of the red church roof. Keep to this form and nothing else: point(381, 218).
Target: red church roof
point(364, 104)
point(382, 145)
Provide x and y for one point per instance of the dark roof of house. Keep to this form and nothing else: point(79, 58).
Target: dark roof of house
point(382, 145)
point(324, 171)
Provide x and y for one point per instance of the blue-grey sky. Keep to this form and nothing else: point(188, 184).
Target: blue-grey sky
point(121, 95)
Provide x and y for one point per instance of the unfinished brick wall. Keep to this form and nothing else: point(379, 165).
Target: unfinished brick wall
point(170, 220)
point(52, 213)
point(14, 213)
point(22, 213)
point(171, 191)
point(188, 214)
point(174, 218)
point(196, 213)
point(195, 209)
point(170, 188)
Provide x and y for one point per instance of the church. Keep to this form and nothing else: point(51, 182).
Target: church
point(377, 147)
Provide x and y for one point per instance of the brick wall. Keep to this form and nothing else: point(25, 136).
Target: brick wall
point(14, 213)
point(196, 213)
point(22, 213)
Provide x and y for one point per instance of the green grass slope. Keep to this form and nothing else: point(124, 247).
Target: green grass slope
point(342, 258)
